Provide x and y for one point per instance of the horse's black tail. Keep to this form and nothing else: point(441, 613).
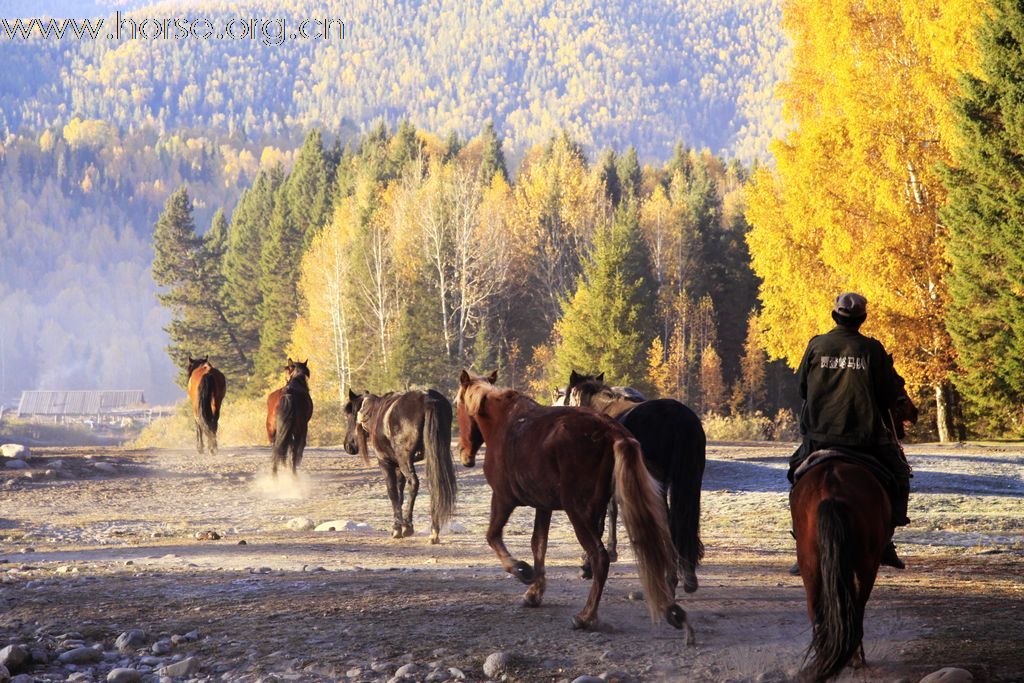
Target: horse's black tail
point(685, 479)
point(437, 447)
point(284, 421)
point(208, 409)
point(838, 619)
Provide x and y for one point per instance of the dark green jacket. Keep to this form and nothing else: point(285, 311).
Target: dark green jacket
point(847, 382)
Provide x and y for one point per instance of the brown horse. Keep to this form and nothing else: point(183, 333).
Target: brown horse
point(555, 458)
point(273, 398)
point(206, 389)
point(841, 518)
point(291, 418)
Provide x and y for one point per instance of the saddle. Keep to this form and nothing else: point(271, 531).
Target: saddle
point(868, 462)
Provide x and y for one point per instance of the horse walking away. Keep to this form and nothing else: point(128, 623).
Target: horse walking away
point(291, 414)
point(674, 448)
point(557, 458)
point(206, 389)
point(273, 398)
point(403, 429)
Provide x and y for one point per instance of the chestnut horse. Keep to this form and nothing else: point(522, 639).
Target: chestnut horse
point(403, 429)
point(291, 418)
point(206, 389)
point(273, 398)
point(842, 520)
point(673, 442)
point(556, 458)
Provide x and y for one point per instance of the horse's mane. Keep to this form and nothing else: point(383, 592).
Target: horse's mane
point(473, 394)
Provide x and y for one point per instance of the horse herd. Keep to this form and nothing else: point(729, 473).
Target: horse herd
point(598, 451)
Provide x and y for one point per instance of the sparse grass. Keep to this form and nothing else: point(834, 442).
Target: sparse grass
point(17, 430)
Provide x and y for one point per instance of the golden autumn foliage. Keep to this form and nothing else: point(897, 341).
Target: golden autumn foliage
point(852, 203)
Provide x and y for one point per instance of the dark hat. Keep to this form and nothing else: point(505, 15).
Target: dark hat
point(851, 305)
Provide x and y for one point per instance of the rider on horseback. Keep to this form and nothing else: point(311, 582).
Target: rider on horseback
point(849, 387)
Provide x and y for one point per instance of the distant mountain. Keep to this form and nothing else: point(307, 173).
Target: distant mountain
point(612, 73)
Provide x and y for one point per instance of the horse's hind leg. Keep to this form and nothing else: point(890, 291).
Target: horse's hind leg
point(299, 445)
point(613, 513)
point(199, 438)
point(541, 525)
point(412, 488)
point(500, 512)
point(394, 494)
point(589, 535)
point(613, 523)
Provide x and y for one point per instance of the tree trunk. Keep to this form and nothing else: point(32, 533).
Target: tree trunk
point(942, 412)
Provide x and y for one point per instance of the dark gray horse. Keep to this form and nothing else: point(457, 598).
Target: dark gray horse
point(405, 428)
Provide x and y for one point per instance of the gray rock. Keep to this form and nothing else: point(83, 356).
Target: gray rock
point(300, 524)
point(192, 636)
point(107, 467)
point(15, 450)
point(774, 676)
point(456, 673)
point(129, 641)
point(14, 658)
point(497, 664)
point(82, 676)
point(354, 673)
point(635, 595)
point(437, 675)
point(407, 670)
point(81, 655)
point(150, 660)
point(16, 464)
point(949, 674)
point(587, 679)
point(333, 525)
point(5, 675)
point(185, 667)
point(23, 678)
point(122, 675)
point(161, 647)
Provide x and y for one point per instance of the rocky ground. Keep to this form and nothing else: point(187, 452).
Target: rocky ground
point(159, 565)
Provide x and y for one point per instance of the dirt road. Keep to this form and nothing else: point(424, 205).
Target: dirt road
point(94, 543)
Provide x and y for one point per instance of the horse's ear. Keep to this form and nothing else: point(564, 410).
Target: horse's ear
point(190, 359)
point(493, 376)
point(574, 378)
point(600, 378)
point(352, 396)
point(464, 378)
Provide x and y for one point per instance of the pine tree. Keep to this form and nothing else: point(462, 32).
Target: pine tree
point(492, 158)
point(986, 221)
point(608, 176)
point(605, 324)
point(190, 278)
point(629, 174)
point(243, 271)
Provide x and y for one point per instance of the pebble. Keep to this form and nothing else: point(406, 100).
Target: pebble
point(130, 640)
point(635, 595)
point(23, 678)
point(774, 676)
point(107, 467)
point(587, 679)
point(457, 674)
point(79, 676)
point(497, 664)
point(5, 675)
point(183, 668)
point(81, 655)
point(333, 525)
point(242, 542)
point(161, 647)
point(123, 675)
point(208, 535)
point(150, 660)
point(16, 464)
point(14, 658)
point(949, 674)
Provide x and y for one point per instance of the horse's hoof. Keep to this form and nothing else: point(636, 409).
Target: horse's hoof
point(531, 599)
point(586, 573)
point(396, 533)
point(613, 556)
point(690, 584)
point(676, 616)
point(579, 624)
point(407, 531)
point(523, 572)
point(434, 539)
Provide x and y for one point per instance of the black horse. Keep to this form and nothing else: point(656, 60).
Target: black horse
point(405, 428)
point(673, 443)
point(291, 417)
